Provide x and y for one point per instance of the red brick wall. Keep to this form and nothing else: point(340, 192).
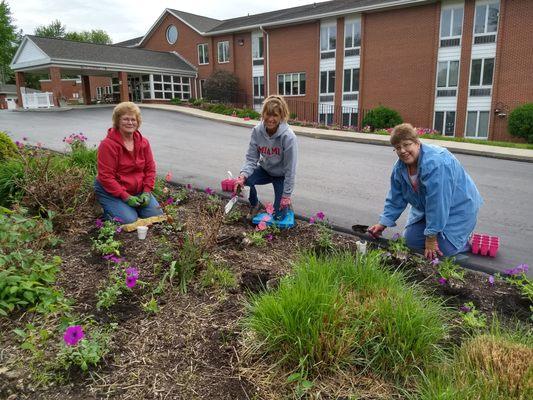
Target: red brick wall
point(68, 88)
point(242, 59)
point(513, 75)
point(399, 56)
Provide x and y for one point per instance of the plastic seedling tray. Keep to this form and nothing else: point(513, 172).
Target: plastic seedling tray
point(484, 245)
point(228, 184)
point(285, 223)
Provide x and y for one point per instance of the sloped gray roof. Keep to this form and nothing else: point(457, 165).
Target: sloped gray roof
point(111, 54)
point(308, 12)
point(201, 23)
point(129, 42)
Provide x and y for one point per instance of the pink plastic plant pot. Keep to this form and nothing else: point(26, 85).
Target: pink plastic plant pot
point(475, 247)
point(484, 245)
point(228, 185)
point(484, 249)
point(493, 249)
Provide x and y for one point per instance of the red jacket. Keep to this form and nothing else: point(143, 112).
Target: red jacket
point(123, 173)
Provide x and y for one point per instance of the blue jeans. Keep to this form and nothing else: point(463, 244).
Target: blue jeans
point(416, 240)
point(116, 207)
point(261, 177)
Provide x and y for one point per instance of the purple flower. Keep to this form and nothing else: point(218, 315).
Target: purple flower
point(188, 186)
point(118, 230)
point(114, 258)
point(396, 236)
point(20, 145)
point(169, 201)
point(133, 272)
point(99, 223)
point(269, 237)
point(518, 270)
point(73, 335)
point(131, 281)
point(491, 280)
point(435, 262)
point(442, 280)
point(320, 216)
point(312, 220)
point(209, 191)
point(117, 219)
point(464, 308)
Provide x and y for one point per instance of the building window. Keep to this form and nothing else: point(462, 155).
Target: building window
point(445, 122)
point(257, 47)
point(328, 41)
point(477, 124)
point(447, 78)
point(349, 116)
point(351, 80)
point(327, 82)
point(98, 93)
point(451, 26)
point(291, 84)
point(486, 19)
point(325, 115)
point(259, 87)
point(223, 52)
point(169, 86)
point(172, 34)
point(481, 76)
point(352, 38)
point(203, 56)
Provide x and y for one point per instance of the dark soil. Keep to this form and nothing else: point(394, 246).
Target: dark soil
point(192, 348)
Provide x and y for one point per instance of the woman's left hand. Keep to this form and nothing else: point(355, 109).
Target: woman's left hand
point(432, 250)
point(285, 202)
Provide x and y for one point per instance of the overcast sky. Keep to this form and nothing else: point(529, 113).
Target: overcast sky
point(126, 19)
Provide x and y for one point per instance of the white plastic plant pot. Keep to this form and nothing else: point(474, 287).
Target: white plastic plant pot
point(361, 246)
point(142, 231)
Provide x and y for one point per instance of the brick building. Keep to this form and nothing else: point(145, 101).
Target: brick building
point(459, 66)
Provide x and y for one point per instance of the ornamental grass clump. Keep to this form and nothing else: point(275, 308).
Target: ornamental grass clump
point(337, 311)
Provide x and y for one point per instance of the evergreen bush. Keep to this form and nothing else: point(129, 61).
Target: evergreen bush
point(381, 118)
point(8, 149)
point(521, 122)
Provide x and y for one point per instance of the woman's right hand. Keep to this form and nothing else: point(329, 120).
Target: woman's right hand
point(376, 230)
point(239, 183)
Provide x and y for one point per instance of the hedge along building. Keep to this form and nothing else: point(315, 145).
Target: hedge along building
point(137, 74)
point(459, 66)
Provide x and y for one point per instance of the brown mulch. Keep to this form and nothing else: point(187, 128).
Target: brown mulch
point(193, 347)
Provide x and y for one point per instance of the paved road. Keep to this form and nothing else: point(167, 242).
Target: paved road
point(348, 181)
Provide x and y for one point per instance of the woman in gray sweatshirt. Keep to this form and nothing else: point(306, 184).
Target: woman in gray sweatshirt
point(271, 157)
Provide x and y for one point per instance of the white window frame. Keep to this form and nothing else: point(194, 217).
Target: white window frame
point(481, 86)
point(203, 55)
point(256, 48)
point(351, 80)
point(478, 113)
point(168, 31)
point(299, 74)
point(454, 10)
point(328, 28)
point(261, 93)
point(98, 92)
point(353, 23)
point(486, 4)
point(182, 93)
point(448, 70)
point(442, 129)
point(223, 52)
point(328, 89)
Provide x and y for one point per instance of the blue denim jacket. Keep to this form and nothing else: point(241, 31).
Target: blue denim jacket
point(447, 196)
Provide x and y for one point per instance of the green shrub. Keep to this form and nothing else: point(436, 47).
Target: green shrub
point(86, 159)
point(11, 176)
point(221, 86)
point(176, 101)
point(336, 310)
point(381, 118)
point(521, 122)
point(8, 149)
point(248, 113)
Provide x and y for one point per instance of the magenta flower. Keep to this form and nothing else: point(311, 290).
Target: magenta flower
point(269, 208)
point(442, 280)
point(518, 270)
point(312, 220)
point(131, 281)
point(99, 223)
point(169, 201)
point(189, 186)
point(114, 258)
point(20, 145)
point(435, 262)
point(491, 280)
point(168, 177)
point(118, 230)
point(133, 272)
point(464, 308)
point(269, 237)
point(261, 226)
point(73, 335)
point(209, 191)
point(320, 216)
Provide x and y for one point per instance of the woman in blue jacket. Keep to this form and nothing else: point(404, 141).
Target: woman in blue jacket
point(443, 197)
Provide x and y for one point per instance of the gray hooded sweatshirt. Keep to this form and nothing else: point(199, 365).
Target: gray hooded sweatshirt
point(276, 154)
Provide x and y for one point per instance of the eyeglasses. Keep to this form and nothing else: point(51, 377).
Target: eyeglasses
point(404, 146)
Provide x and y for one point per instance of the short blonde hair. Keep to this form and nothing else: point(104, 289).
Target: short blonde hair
point(126, 107)
point(273, 105)
point(403, 132)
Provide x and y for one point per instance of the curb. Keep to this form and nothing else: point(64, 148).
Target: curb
point(367, 139)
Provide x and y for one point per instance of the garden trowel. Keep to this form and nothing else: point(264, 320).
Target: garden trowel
point(229, 205)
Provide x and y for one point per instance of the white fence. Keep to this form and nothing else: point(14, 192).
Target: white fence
point(37, 100)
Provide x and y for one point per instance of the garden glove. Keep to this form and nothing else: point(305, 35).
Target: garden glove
point(285, 202)
point(133, 201)
point(376, 230)
point(145, 199)
point(432, 250)
point(239, 183)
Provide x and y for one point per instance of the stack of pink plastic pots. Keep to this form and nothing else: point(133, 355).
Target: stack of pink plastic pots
point(484, 245)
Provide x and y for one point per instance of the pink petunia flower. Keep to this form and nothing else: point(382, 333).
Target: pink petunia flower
point(209, 191)
point(269, 237)
point(312, 220)
point(320, 216)
point(133, 272)
point(435, 262)
point(442, 280)
point(491, 280)
point(73, 335)
point(269, 208)
point(261, 226)
point(464, 308)
point(188, 186)
point(99, 223)
point(131, 281)
point(168, 177)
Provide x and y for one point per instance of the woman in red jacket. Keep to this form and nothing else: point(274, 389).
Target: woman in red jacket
point(126, 169)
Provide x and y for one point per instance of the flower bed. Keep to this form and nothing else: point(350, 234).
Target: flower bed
point(211, 307)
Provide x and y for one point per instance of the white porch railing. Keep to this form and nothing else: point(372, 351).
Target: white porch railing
point(37, 100)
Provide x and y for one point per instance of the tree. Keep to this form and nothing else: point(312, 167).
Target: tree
point(9, 42)
point(53, 30)
point(521, 122)
point(221, 86)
